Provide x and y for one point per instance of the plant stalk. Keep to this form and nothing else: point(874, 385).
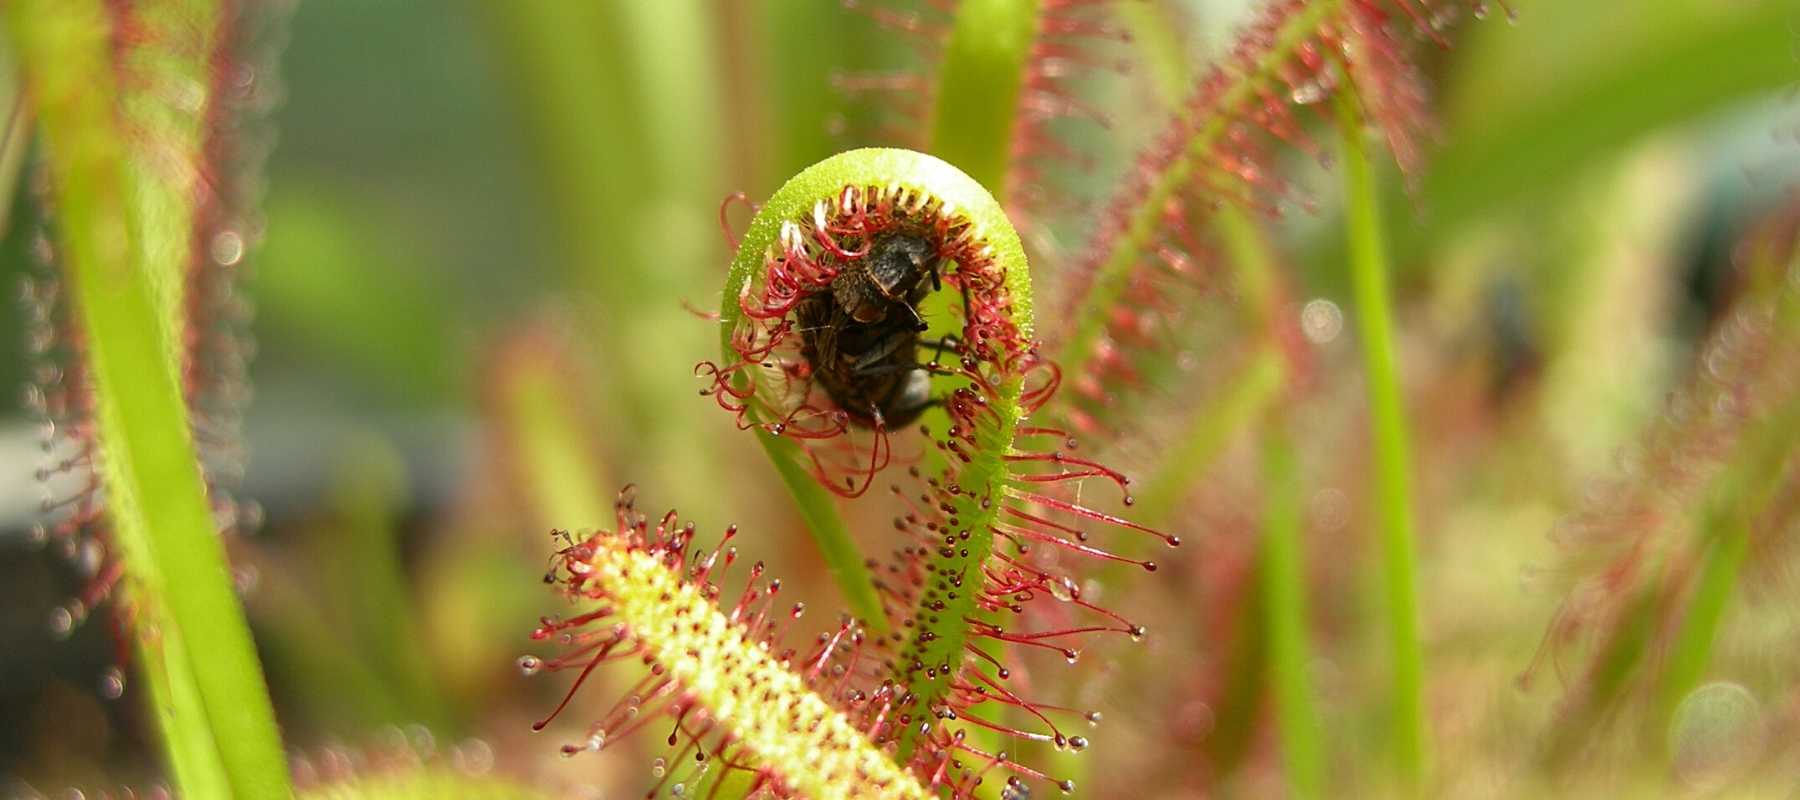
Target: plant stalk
point(978, 88)
point(1283, 581)
point(1369, 270)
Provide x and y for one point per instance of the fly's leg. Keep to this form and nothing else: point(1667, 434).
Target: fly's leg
point(949, 342)
point(919, 324)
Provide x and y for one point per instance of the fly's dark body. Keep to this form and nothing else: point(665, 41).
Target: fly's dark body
point(861, 336)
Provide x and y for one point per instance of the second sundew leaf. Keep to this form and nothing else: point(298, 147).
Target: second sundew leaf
point(1745, 488)
point(124, 228)
point(1278, 57)
point(1224, 146)
point(1665, 546)
point(780, 725)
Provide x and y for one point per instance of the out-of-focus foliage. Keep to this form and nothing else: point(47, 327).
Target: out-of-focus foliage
point(482, 223)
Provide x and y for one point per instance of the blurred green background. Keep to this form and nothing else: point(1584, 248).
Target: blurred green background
point(466, 197)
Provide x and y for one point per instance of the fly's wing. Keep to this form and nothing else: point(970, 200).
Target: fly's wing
point(818, 323)
point(844, 290)
point(857, 298)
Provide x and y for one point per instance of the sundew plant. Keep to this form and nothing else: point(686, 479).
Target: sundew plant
point(901, 398)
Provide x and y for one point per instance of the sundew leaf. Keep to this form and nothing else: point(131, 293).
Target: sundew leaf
point(761, 719)
point(1222, 147)
point(888, 169)
point(125, 227)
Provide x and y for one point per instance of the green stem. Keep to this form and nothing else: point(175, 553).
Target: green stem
point(836, 546)
point(1245, 676)
point(123, 235)
point(792, 42)
point(978, 87)
point(1369, 271)
point(15, 141)
point(1283, 581)
point(1614, 668)
point(1727, 541)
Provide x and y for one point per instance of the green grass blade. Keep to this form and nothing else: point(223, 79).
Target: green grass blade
point(1369, 270)
point(122, 236)
point(1613, 672)
point(15, 136)
point(1728, 541)
point(1283, 581)
point(978, 87)
point(799, 50)
point(173, 693)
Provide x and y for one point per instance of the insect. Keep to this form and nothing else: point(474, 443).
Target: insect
point(862, 335)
